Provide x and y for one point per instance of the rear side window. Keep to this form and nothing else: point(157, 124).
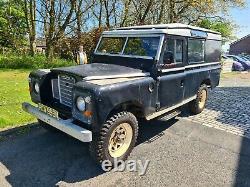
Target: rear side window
point(111, 45)
point(142, 46)
point(213, 51)
point(196, 50)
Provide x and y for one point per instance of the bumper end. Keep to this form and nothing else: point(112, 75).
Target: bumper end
point(66, 126)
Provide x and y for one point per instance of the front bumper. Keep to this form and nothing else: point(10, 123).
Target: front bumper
point(66, 126)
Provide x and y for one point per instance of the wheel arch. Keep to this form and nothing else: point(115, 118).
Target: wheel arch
point(207, 82)
point(134, 107)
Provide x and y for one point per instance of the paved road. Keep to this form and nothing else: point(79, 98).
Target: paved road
point(228, 106)
point(180, 153)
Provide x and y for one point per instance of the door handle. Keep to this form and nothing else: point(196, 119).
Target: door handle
point(182, 83)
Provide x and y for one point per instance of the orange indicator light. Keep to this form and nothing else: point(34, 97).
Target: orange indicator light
point(87, 113)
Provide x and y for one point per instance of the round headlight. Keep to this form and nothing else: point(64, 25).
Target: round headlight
point(80, 103)
point(36, 88)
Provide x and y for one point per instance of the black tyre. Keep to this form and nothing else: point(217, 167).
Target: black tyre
point(47, 126)
point(197, 106)
point(116, 138)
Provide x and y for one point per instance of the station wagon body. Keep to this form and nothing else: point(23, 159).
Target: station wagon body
point(136, 72)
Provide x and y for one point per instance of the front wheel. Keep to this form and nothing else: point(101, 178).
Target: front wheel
point(197, 106)
point(116, 138)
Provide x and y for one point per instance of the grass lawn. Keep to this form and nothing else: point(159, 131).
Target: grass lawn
point(13, 91)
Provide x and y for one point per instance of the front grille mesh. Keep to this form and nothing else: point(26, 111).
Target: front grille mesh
point(65, 86)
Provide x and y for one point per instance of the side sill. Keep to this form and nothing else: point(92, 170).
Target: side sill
point(161, 112)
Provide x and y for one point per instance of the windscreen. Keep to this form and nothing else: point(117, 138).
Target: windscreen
point(111, 45)
point(142, 46)
point(130, 46)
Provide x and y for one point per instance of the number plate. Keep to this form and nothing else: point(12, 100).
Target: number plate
point(50, 111)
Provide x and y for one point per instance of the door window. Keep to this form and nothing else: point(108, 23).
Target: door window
point(173, 52)
point(179, 51)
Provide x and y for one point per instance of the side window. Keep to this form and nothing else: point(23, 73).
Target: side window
point(168, 57)
point(179, 51)
point(196, 50)
point(173, 52)
point(213, 51)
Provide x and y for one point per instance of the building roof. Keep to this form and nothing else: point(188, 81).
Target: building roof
point(245, 37)
point(172, 29)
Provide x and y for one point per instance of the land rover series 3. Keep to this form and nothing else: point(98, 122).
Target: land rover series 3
point(140, 72)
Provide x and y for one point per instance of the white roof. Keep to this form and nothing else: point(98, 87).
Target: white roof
point(172, 29)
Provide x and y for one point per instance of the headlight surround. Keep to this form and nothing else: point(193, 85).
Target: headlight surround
point(36, 88)
point(81, 104)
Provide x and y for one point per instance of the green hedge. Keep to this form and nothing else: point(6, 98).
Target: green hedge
point(29, 62)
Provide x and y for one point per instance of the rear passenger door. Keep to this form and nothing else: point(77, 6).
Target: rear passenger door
point(172, 75)
point(195, 73)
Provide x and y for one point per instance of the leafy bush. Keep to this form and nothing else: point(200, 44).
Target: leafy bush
point(29, 62)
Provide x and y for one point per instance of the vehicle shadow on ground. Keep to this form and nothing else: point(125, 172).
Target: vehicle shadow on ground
point(232, 107)
point(42, 158)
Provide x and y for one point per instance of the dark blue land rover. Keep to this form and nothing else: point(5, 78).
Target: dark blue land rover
point(136, 72)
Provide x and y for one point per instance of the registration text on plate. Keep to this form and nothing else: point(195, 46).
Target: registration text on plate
point(50, 111)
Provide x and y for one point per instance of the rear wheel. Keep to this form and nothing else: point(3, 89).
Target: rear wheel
point(197, 106)
point(116, 138)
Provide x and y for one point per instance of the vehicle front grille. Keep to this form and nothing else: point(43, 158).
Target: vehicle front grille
point(62, 89)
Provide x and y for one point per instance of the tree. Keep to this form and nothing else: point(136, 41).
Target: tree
point(225, 27)
point(75, 18)
point(82, 7)
point(29, 9)
point(12, 24)
point(57, 17)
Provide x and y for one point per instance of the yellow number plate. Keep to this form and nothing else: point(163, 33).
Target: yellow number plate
point(50, 111)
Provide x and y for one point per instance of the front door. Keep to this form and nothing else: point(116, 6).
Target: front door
point(171, 76)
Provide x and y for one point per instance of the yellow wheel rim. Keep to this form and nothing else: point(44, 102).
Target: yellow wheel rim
point(202, 98)
point(120, 140)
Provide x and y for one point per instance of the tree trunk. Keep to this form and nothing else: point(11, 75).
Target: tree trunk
point(78, 21)
point(171, 11)
point(49, 52)
point(32, 45)
point(126, 9)
point(106, 5)
point(51, 29)
point(160, 19)
point(33, 27)
point(30, 17)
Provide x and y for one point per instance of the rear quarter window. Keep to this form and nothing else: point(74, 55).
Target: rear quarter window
point(213, 51)
point(196, 50)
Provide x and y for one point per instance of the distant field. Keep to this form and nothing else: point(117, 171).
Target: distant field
point(13, 91)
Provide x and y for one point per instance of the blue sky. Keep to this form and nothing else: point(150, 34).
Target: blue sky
point(241, 17)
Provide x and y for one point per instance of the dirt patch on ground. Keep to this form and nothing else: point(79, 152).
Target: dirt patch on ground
point(240, 75)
